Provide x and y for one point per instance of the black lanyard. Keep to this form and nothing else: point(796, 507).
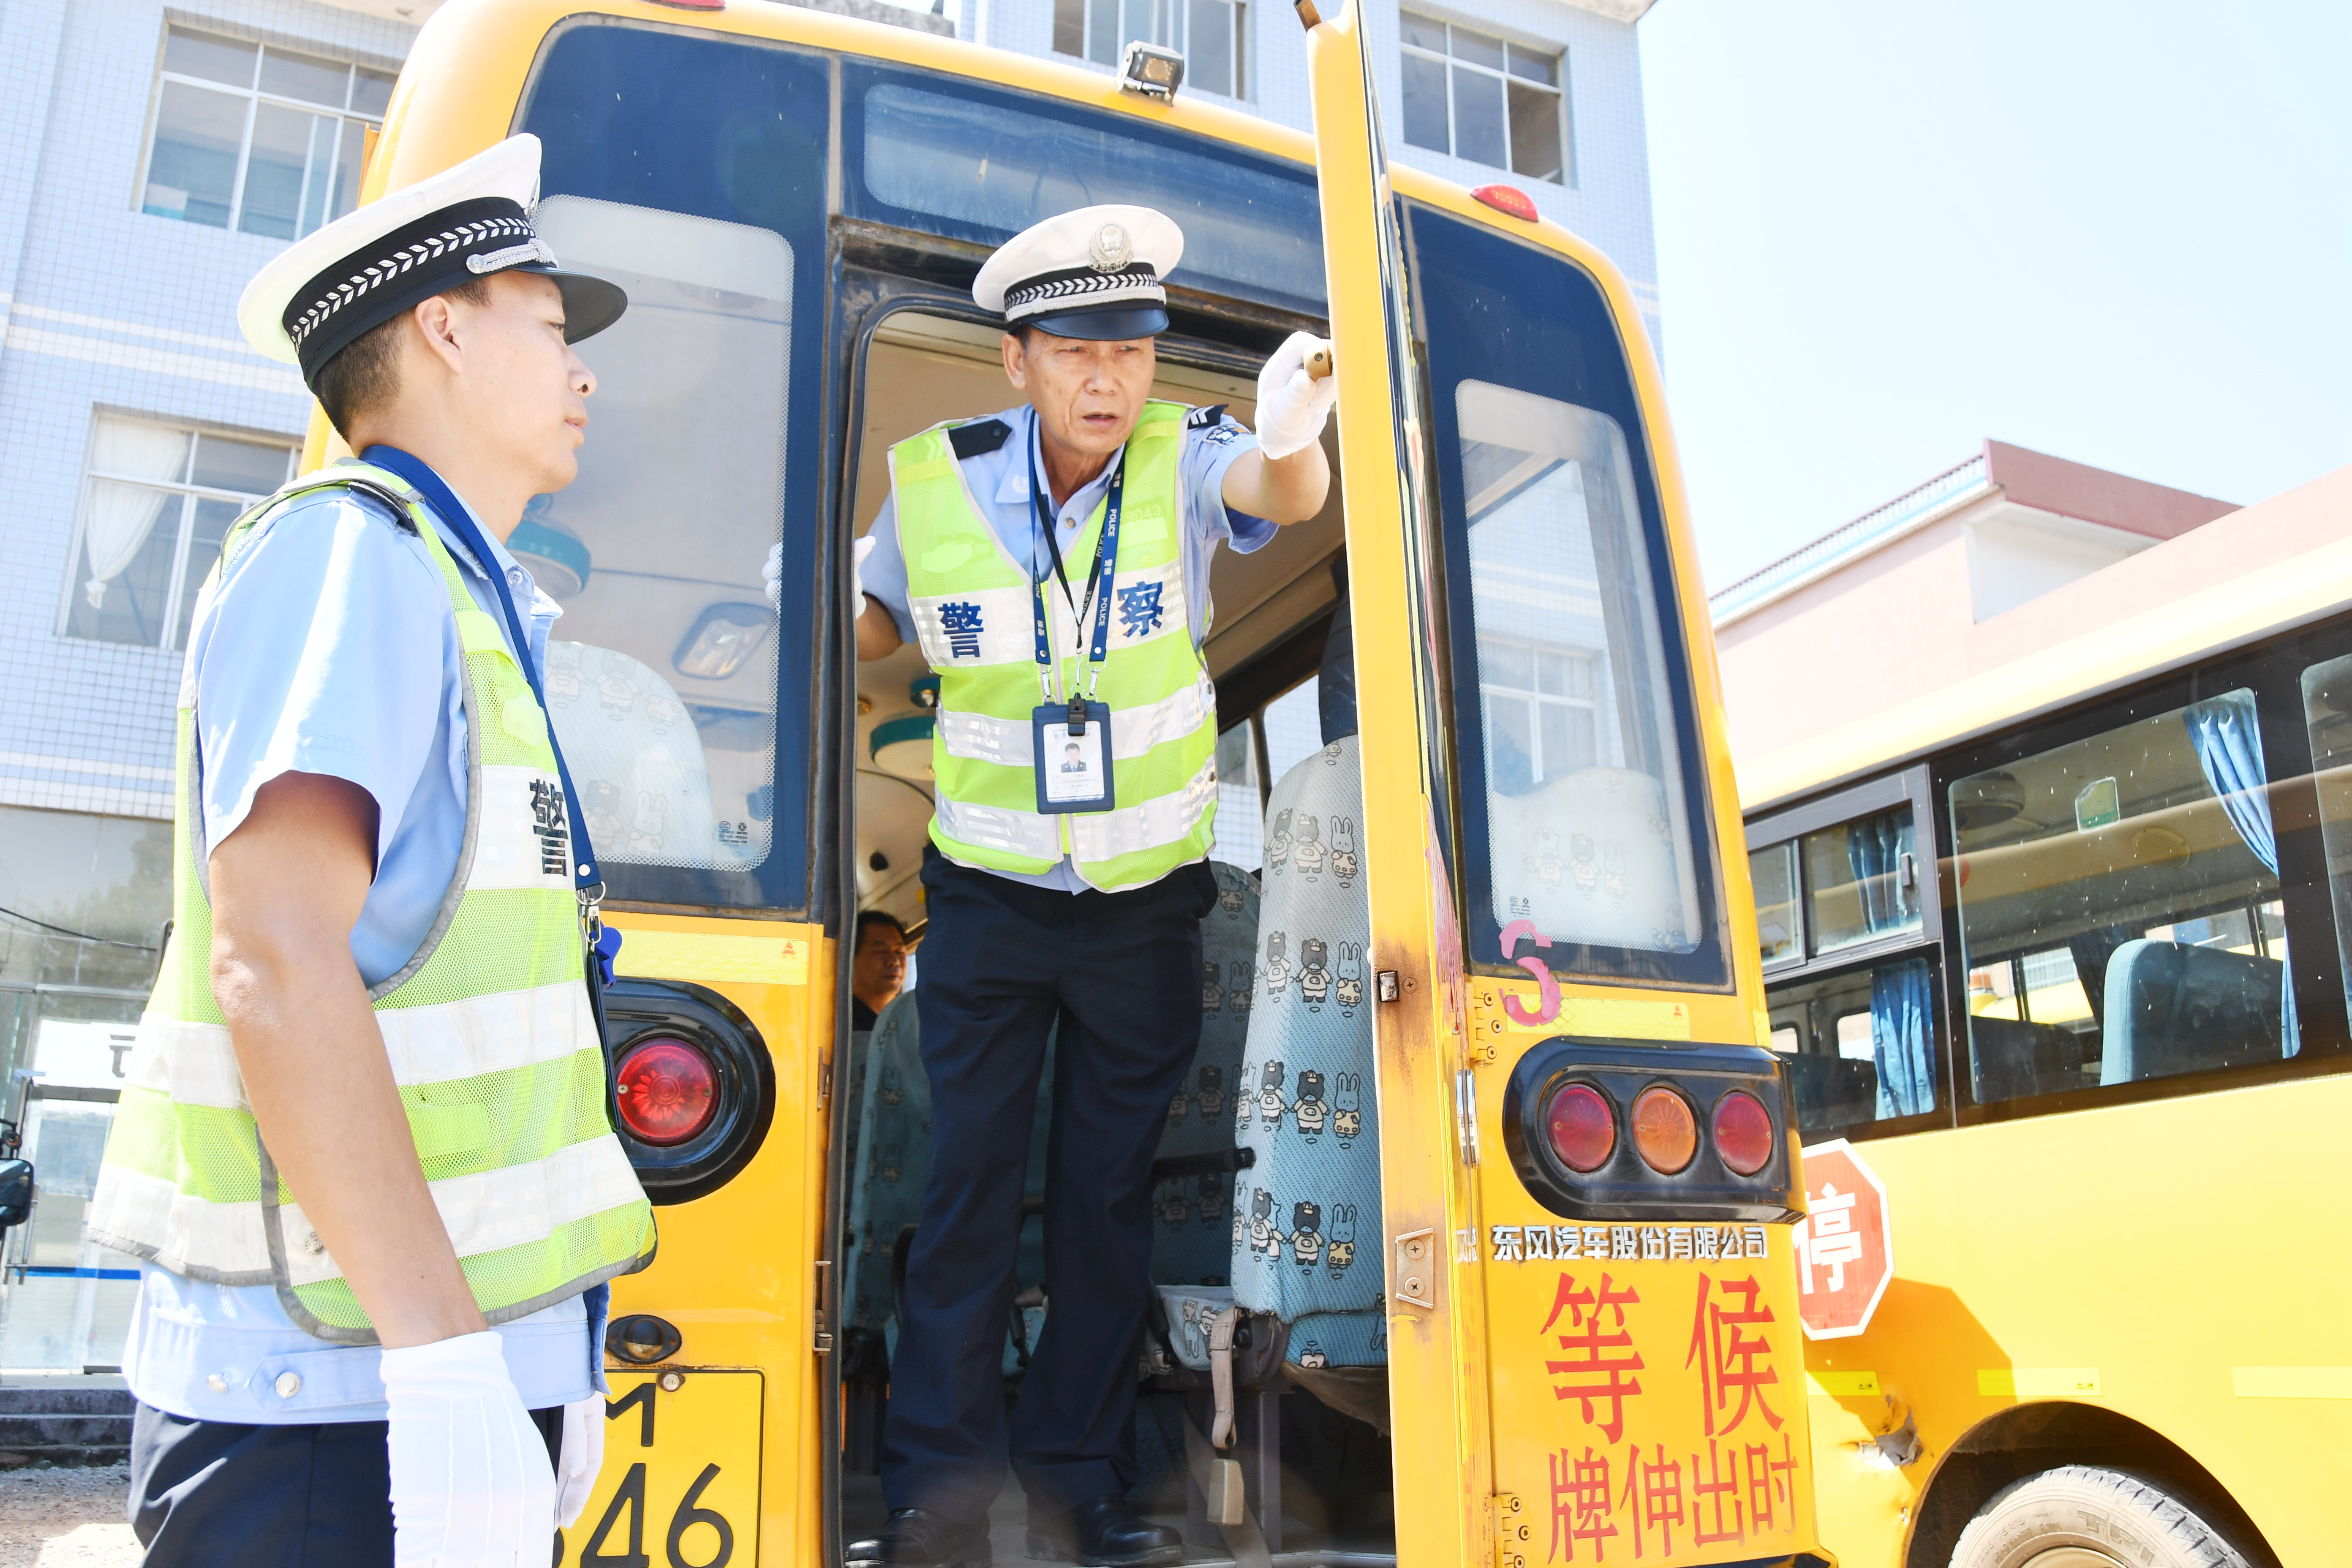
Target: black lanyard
point(429, 484)
point(1098, 582)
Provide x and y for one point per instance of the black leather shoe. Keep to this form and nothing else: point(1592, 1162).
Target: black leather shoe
point(1104, 1532)
point(918, 1538)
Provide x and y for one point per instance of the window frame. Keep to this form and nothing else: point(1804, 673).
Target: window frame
point(1559, 53)
point(185, 491)
point(1786, 829)
point(1911, 786)
point(253, 97)
point(2271, 668)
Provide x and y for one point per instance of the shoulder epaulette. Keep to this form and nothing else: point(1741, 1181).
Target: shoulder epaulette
point(1205, 418)
point(979, 436)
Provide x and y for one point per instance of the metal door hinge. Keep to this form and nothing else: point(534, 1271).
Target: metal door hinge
point(822, 1343)
point(1416, 1268)
point(1513, 1536)
point(1466, 1114)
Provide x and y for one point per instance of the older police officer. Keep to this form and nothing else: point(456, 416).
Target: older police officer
point(363, 1146)
point(1053, 561)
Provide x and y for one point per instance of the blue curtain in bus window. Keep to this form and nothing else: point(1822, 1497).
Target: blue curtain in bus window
point(2229, 745)
point(1901, 995)
point(1875, 846)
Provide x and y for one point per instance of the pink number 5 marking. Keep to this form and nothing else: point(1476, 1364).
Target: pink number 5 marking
point(1547, 992)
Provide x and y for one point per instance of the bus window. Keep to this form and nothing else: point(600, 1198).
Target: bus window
point(661, 677)
point(1861, 1043)
point(1862, 881)
point(1773, 871)
point(691, 172)
point(2119, 907)
point(927, 151)
point(1581, 800)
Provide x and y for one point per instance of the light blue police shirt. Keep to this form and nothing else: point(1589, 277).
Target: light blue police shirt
point(999, 482)
point(327, 646)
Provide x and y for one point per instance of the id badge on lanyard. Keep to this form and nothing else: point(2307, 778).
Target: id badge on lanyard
point(1070, 741)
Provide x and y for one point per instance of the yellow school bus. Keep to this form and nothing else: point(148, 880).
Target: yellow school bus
point(1550, 1312)
point(2058, 955)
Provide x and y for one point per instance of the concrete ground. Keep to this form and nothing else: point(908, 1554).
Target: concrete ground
point(66, 1519)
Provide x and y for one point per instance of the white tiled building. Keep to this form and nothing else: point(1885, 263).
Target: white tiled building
point(152, 157)
point(1510, 64)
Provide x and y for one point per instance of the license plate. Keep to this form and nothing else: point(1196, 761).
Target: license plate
point(681, 1478)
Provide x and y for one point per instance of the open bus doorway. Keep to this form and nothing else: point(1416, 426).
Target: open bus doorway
point(1270, 1111)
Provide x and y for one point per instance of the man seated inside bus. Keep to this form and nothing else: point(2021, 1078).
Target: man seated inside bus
point(1053, 561)
point(877, 966)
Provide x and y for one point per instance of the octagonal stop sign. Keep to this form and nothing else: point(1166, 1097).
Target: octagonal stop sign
point(1844, 1245)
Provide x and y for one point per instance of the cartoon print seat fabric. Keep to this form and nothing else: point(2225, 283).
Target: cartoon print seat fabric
point(1307, 1215)
point(1192, 1238)
point(893, 1151)
point(637, 760)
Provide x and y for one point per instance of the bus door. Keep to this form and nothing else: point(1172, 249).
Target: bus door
point(1588, 1161)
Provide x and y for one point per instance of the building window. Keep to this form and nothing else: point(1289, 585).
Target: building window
point(256, 138)
point(1208, 33)
point(1543, 711)
point(1478, 97)
point(159, 500)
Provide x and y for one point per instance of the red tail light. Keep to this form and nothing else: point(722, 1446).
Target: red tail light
point(667, 1091)
point(1583, 1131)
point(1743, 1132)
point(1666, 1134)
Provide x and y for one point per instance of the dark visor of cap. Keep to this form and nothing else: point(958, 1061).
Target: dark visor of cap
point(401, 269)
point(1103, 324)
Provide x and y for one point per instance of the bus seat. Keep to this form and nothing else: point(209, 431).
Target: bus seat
point(2173, 1008)
point(2011, 1061)
point(1191, 1242)
point(1600, 842)
point(1306, 1213)
point(637, 759)
point(1832, 1091)
point(886, 1188)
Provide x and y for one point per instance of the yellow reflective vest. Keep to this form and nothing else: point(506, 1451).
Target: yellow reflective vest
point(489, 1027)
point(973, 608)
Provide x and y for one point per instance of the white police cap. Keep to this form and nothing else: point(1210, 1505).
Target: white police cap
point(370, 264)
point(1094, 273)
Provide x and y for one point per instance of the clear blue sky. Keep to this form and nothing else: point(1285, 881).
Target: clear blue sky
point(2115, 231)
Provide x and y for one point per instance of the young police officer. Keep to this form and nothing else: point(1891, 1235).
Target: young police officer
point(1053, 563)
point(362, 1145)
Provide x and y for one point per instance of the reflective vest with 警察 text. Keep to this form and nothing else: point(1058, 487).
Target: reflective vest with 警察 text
point(489, 1027)
point(973, 607)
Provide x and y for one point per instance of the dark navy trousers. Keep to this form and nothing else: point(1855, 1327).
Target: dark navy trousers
point(205, 1494)
point(1001, 963)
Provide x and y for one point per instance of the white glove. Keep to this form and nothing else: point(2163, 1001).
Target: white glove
point(471, 1487)
point(583, 1458)
point(1291, 405)
point(771, 576)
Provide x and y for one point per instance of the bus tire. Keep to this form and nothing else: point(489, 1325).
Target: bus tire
point(2082, 1516)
